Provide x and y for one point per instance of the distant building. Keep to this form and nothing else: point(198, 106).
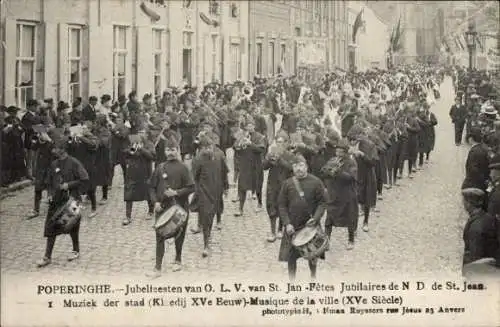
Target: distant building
point(372, 41)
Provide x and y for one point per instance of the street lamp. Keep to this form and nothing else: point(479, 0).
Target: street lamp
point(471, 41)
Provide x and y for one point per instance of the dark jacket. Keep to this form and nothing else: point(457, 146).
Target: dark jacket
point(476, 168)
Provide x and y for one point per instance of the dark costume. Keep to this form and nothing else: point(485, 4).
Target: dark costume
point(174, 175)
point(139, 169)
point(13, 151)
point(297, 210)
point(476, 168)
point(210, 176)
point(458, 115)
point(342, 205)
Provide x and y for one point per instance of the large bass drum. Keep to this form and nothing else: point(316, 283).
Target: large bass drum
point(311, 242)
point(170, 223)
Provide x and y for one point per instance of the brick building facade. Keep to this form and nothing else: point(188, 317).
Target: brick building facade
point(77, 48)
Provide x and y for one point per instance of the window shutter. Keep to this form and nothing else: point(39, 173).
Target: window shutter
point(63, 55)
point(10, 64)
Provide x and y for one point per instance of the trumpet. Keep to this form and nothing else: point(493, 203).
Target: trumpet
point(243, 141)
point(248, 91)
point(134, 148)
point(333, 166)
point(74, 139)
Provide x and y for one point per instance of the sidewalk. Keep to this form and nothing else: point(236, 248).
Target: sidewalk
point(7, 191)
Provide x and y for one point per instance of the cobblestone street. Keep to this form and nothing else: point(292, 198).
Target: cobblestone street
point(417, 230)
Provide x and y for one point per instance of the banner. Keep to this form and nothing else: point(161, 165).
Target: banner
point(311, 51)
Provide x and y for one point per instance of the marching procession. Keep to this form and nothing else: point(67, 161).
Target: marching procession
point(313, 151)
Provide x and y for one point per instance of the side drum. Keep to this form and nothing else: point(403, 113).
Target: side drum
point(170, 223)
point(311, 242)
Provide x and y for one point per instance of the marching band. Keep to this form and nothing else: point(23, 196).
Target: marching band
point(330, 146)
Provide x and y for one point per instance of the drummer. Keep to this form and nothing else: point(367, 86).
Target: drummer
point(302, 203)
point(170, 184)
point(65, 178)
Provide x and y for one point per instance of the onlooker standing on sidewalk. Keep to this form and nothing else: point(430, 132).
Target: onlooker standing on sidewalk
point(30, 119)
point(458, 114)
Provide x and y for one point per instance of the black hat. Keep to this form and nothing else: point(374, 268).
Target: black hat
point(92, 98)
point(77, 102)
point(473, 195)
point(105, 98)
point(49, 101)
point(12, 109)
point(62, 105)
point(495, 163)
point(32, 102)
point(58, 138)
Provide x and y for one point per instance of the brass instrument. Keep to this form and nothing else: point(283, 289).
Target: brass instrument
point(333, 166)
point(295, 141)
point(134, 148)
point(248, 91)
point(243, 140)
point(136, 144)
point(274, 152)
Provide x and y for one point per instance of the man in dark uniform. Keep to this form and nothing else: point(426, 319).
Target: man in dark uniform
point(30, 119)
point(210, 175)
point(458, 114)
point(494, 198)
point(476, 165)
point(170, 184)
point(302, 202)
point(65, 178)
point(90, 112)
point(340, 177)
point(42, 144)
point(13, 149)
point(480, 238)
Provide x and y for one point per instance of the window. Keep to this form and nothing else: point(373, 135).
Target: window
point(271, 59)
point(213, 7)
point(235, 61)
point(214, 58)
point(74, 63)
point(157, 57)
point(259, 59)
point(120, 53)
point(25, 63)
point(282, 59)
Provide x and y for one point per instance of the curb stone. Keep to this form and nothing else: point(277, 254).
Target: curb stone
point(7, 191)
